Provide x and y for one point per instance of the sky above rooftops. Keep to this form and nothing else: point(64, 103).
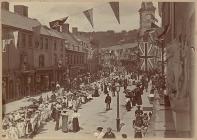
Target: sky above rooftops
point(104, 18)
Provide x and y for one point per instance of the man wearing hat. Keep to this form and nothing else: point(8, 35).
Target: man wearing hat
point(64, 114)
point(138, 94)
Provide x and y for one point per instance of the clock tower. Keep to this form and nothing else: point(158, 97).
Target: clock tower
point(146, 12)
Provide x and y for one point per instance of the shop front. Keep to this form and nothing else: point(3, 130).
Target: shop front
point(43, 80)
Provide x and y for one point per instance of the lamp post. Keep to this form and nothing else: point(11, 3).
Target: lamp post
point(118, 114)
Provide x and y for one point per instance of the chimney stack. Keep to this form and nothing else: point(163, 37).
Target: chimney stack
point(65, 28)
point(21, 10)
point(75, 30)
point(5, 5)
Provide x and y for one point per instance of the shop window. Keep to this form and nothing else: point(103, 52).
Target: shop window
point(55, 59)
point(23, 39)
point(41, 61)
point(46, 43)
point(23, 61)
point(41, 43)
point(30, 40)
point(55, 44)
point(62, 45)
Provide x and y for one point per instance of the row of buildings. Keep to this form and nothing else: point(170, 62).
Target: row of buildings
point(121, 54)
point(35, 57)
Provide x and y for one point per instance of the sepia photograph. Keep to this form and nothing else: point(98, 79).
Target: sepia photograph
point(97, 69)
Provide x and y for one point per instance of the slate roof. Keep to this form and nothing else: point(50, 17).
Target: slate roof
point(26, 23)
point(21, 22)
point(18, 21)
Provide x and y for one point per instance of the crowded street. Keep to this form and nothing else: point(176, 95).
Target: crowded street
point(98, 69)
point(93, 114)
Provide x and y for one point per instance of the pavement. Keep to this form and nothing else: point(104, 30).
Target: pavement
point(93, 114)
point(162, 124)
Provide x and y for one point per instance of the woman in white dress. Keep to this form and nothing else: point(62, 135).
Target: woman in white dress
point(13, 132)
point(21, 127)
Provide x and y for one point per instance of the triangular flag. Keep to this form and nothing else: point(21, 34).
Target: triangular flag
point(36, 35)
point(89, 15)
point(154, 25)
point(15, 38)
point(115, 8)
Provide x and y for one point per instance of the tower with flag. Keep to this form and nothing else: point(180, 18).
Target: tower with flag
point(148, 52)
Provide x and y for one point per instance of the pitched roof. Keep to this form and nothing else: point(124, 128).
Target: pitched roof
point(26, 23)
point(18, 21)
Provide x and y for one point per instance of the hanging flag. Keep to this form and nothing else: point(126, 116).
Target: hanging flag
point(54, 24)
point(147, 55)
point(89, 15)
point(36, 35)
point(115, 8)
point(15, 33)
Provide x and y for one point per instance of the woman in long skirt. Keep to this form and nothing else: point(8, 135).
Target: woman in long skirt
point(64, 121)
point(75, 121)
point(128, 104)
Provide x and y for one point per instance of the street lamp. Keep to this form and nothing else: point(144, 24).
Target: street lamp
point(117, 85)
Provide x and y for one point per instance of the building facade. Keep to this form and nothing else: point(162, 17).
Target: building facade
point(35, 57)
point(179, 44)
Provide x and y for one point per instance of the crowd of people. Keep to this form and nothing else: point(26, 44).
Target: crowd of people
point(63, 104)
